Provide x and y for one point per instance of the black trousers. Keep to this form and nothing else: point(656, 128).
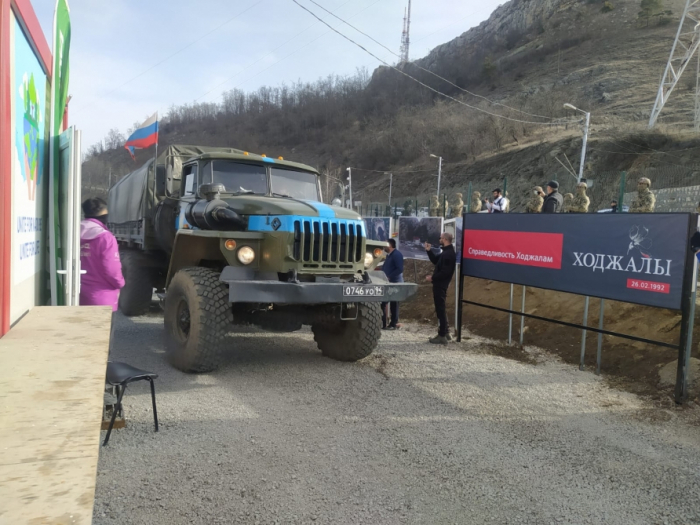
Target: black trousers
point(440, 298)
point(394, 308)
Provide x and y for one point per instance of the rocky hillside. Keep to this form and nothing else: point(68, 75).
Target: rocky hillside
point(523, 63)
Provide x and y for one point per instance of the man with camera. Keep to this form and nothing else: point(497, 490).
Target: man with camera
point(445, 264)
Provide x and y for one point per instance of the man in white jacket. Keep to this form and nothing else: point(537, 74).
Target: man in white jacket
point(499, 204)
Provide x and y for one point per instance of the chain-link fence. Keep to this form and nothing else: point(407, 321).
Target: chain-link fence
point(676, 189)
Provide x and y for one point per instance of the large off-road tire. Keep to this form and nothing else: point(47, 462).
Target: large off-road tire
point(197, 318)
point(135, 297)
point(350, 340)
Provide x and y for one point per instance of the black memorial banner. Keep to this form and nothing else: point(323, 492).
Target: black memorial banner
point(635, 258)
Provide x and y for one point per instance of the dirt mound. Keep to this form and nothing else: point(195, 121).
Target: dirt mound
point(637, 363)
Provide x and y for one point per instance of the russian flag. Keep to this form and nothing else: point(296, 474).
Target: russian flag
point(144, 137)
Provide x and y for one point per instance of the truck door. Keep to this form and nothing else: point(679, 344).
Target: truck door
point(189, 192)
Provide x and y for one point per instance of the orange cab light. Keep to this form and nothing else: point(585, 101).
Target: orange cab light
point(245, 153)
point(263, 155)
point(230, 245)
point(280, 158)
point(378, 252)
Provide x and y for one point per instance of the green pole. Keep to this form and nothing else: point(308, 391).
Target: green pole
point(416, 207)
point(469, 198)
point(505, 185)
point(623, 182)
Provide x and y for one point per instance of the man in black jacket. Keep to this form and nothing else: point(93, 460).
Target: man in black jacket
point(553, 202)
point(444, 270)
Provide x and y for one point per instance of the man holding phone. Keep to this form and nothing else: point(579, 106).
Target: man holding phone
point(445, 264)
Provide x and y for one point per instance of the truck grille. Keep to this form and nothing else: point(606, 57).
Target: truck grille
point(327, 241)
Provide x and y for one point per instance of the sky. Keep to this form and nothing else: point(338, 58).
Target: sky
point(131, 58)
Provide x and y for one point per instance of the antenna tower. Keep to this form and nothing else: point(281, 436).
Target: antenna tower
point(405, 35)
point(684, 48)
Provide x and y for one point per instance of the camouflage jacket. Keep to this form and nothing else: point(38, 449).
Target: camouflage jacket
point(534, 205)
point(580, 204)
point(644, 202)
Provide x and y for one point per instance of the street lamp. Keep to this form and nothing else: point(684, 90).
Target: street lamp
point(349, 170)
point(391, 180)
point(585, 137)
point(439, 171)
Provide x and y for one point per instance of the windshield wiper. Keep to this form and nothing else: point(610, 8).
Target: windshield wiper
point(282, 195)
point(244, 192)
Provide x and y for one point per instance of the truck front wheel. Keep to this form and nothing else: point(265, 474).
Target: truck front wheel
point(197, 318)
point(350, 340)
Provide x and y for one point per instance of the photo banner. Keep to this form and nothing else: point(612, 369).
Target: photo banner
point(634, 258)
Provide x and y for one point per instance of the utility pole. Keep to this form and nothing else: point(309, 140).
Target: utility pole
point(391, 180)
point(585, 137)
point(684, 48)
point(439, 172)
point(350, 187)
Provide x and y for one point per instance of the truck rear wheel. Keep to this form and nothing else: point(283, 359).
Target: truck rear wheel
point(135, 297)
point(350, 340)
point(197, 318)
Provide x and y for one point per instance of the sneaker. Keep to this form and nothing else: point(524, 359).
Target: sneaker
point(392, 327)
point(449, 337)
point(438, 340)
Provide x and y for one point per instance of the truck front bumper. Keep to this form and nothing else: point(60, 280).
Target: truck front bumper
point(376, 289)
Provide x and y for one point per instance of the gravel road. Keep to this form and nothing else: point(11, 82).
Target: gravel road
point(414, 434)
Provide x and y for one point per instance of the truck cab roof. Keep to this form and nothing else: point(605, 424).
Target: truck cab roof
point(244, 156)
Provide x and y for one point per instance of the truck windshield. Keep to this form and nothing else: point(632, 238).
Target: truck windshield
point(295, 184)
point(239, 177)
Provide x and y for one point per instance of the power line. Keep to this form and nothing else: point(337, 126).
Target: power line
point(429, 71)
point(393, 172)
point(273, 51)
point(427, 86)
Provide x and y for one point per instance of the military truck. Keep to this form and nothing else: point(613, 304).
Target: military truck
point(227, 237)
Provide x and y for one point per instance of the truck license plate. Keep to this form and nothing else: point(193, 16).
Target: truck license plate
point(363, 291)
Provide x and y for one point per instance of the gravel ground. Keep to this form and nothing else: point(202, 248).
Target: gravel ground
point(414, 434)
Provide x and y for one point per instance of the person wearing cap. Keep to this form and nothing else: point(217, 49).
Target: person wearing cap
point(645, 201)
point(554, 201)
point(534, 205)
point(499, 204)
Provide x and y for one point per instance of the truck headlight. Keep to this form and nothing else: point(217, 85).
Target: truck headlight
point(369, 259)
point(246, 255)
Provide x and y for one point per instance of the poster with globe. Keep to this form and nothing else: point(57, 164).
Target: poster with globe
point(30, 149)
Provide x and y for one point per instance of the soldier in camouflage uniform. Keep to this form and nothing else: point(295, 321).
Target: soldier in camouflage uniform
point(580, 202)
point(458, 206)
point(434, 206)
point(645, 201)
point(568, 199)
point(534, 205)
point(476, 202)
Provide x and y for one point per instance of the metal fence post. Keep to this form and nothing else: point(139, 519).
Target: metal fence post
point(600, 337)
point(510, 317)
point(469, 198)
point(621, 198)
point(522, 318)
point(687, 321)
point(582, 366)
point(444, 205)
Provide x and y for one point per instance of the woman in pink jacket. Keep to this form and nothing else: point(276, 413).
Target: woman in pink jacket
point(99, 258)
